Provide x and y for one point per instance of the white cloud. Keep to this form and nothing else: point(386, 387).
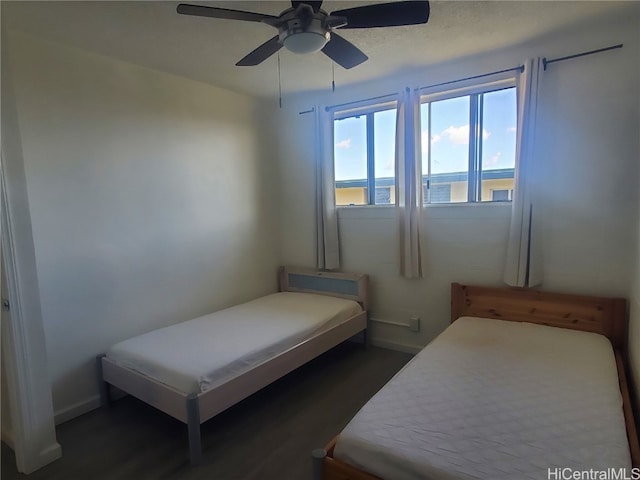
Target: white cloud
point(511, 129)
point(424, 140)
point(459, 135)
point(346, 143)
point(494, 159)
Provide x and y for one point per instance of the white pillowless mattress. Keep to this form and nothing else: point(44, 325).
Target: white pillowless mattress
point(492, 399)
point(200, 354)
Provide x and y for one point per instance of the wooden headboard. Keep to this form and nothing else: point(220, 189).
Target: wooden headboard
point(607, 316)
point(352, 286)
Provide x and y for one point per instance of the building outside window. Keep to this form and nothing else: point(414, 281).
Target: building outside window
point(440, 192)
point(468, 141)
point(505, 195)
point(364, 155)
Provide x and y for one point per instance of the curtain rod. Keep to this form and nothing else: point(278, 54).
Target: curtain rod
point(520, 68)
point(546, 62)
point(334, 107)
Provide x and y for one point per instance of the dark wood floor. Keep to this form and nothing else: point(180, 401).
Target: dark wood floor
point(270, 435)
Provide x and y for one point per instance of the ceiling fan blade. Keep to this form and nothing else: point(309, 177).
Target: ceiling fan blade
point(385, 14)
point(261, 53)
point(343, 52)
point(315, 4)
point(213, 12)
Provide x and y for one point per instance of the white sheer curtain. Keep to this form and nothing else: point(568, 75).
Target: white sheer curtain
point(328, 248)
point(523, 266)
point(409, 182)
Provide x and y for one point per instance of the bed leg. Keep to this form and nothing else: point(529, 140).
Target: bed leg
point(103, 387)
point(317, 459)
point(365, 338)
point(193, 426)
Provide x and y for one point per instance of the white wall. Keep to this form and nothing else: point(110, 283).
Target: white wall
point(588, 126)
point(149, 199)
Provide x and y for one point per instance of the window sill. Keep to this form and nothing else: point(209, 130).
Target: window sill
point(441, 210)
point(363, 207)
point(427, 206)
point(468, 204)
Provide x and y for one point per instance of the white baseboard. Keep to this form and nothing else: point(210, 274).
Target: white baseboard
point(77, 409)
point(85, 406)
point(49, 454)
point(45, 457)
point(399, 347)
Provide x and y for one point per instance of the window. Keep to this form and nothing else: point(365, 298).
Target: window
point(469, 144)
point(364, 155)
point(383, 195)
point(438, 193)
point(501, 195)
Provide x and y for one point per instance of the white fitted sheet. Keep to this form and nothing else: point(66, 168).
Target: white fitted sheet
point(200, 354)
point(492, 399)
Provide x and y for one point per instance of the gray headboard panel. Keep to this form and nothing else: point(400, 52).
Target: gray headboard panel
point(353, 286)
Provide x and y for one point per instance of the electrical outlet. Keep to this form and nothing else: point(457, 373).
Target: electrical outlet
point(414, 324)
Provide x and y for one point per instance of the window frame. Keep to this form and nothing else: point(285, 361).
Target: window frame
point(474, 91)
point(368, 110)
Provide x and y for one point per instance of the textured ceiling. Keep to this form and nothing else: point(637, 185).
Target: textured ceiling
point(150, 33)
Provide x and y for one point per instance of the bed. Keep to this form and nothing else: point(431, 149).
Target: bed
point(196, 369)
point(522, 381)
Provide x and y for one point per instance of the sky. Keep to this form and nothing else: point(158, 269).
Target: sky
point(449, 138)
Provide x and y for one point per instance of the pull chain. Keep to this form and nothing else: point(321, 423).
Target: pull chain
point(333, 76)
point(279, 83)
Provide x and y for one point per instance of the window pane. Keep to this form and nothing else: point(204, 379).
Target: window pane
point(498, 144)
point(350, 152)
point(449, 146)
point(384, 146)
point(441, 193)
point(425, 145)
point(383, 195)
point(500, 195)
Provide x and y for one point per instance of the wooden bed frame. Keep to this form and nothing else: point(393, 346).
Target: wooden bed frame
point(606, 316)
point(194, 409)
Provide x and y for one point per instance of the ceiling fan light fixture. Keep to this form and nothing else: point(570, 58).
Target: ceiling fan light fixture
point(306, 28)
point(305, 42)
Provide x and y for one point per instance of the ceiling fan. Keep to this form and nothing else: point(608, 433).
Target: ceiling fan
point(306, 28)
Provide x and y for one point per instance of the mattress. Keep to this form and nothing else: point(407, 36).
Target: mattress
point(492, 399)
point(200, 354)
